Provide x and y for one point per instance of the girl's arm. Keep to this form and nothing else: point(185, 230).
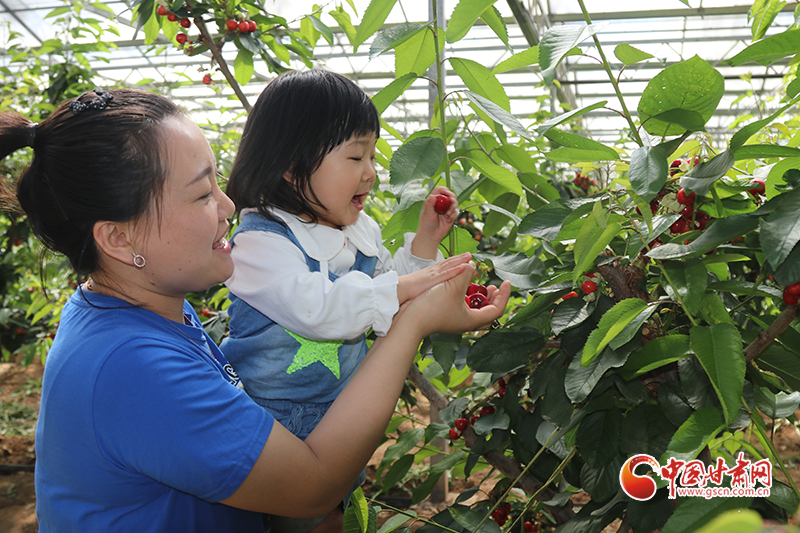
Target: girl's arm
point(296, 478)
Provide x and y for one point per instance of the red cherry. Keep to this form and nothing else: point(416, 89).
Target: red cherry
point(172, 17)
point(475, 288)
point(686, 198)
point(442, 204)
point(181, 38)
point(528, 527)
point(232, 25)
point(679, 226)
point(207, 79)
point(569, 295)
point(476, 301)
point(473, 420)
point(687, 211)
point(793, 289)
point(186, 23)
point(501, 383)
point(253, 26)
point(588, 286)
point(486, 410)
point(462, 424)
point(244, 26)
point(454, 434)
point(501, 391)
point(161, 10)
point(789, 299)
point(760, 187)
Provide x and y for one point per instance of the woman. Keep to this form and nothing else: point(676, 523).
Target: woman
point(143, 425)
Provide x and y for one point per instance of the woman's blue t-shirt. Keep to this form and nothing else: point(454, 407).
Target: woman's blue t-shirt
point(139, 428)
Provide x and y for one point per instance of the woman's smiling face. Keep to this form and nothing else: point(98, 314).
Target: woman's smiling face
point(183, 240)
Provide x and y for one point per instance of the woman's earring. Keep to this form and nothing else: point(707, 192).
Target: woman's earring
point(139, 261)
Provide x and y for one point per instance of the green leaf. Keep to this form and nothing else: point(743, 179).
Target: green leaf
point(393, 36)
point(494, 19)
point(243, 66)
point(578, 145)
point(464, 16)
point(521, 59)
point(522, 271)
point(469, 519)
point(780, 231)
point(602, 483)
point(648, 171)
point(396, 472)
point(570, 313)
point(743, 135)
point(356, 517)
point(545, 223)
point(481, 81)
point(655, 354)
point(502, 351)
point(776, 405)
point(374, 17)
point(694, 435)
point(692, 85)
point(762, 151)
point(762, 14)
point(700, 178)
point(557, 41)
point(591, 244)
point(689, 278)
point(630, 55)
point(416, 53)
point(397, 521)
point(343, 19)
point(611, 324)
point(713, 311)
point(454, 410)
point(496, 173)
point(721, 231)
point(151, 24)
point(627, 334)
point(498, 114)
point(598, 437)
point(645, 429)
point(417, 159)
point(769, 50)
point(560, 119)
point(322, 28)
point(405, 443)
point(719, 350)
point(581, 380)
point(384, 98)
point(692, 513)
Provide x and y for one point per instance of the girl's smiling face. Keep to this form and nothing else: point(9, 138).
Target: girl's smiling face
point(344, 179)
point(183, 238)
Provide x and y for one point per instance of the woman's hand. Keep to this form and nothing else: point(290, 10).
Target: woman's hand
point(412, 285)
point(432, 226)
point(442, 309)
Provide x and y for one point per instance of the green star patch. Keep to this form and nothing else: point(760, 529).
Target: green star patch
point(311, 351)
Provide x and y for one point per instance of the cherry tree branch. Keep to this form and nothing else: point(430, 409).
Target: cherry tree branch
point(216, 53)
point(764, 338)
point(507, 466)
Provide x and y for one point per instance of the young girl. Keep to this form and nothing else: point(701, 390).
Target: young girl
point(141, 425)
point(311, 275)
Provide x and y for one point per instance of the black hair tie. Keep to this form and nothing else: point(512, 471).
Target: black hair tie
point(101, 102)
point(32, 133)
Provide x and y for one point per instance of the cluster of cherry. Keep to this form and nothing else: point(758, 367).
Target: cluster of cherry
point(584, 182)
point(184, 23)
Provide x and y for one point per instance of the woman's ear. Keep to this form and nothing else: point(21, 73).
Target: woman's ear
point(112, 239)
point(288, 177)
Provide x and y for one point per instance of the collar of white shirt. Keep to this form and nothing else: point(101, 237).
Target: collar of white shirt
point(323, 243)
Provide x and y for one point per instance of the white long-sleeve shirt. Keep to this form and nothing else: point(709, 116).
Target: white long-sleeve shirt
point(271, 275)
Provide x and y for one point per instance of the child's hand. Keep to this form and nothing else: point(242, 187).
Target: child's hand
point(434, 226)
point(412, 285)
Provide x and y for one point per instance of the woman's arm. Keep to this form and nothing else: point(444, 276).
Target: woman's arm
point(297, 478)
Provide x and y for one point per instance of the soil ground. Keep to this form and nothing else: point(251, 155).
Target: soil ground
point(18, 499)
